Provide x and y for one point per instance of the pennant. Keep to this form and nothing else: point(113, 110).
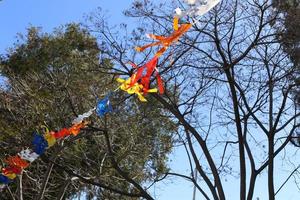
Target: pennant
point(16, 161)
point(80, 118)
point(62, 133)
point(75, 129)
point(39, 143)
point(103, 107)
point(4, 179)
point(28, 155)
point(10, 170)
point(50, 138)
point(11, 176)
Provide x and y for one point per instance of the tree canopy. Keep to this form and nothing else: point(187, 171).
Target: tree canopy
point(53, 77)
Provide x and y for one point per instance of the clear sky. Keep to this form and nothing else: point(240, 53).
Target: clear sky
point(16, 15)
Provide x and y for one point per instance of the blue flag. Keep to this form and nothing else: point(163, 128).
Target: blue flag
point(103, 107)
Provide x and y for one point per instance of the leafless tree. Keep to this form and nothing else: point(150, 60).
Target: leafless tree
point(229, 88)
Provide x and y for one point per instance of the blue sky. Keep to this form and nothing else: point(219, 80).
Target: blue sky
point(16, 15)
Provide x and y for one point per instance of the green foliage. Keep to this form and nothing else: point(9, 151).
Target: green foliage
point(289, 34)
point(53, 77)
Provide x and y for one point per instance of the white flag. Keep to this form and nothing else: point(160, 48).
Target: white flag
point(196, 8)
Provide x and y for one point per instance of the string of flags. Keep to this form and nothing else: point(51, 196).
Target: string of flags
point(41, 142)
point(138, 83)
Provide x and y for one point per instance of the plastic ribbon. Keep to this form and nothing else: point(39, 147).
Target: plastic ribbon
point(28, 155)
point(137, 88)
point(81, 117)
point(197, 8)
point(103, 107)
point(144, 73)
point(165, 42)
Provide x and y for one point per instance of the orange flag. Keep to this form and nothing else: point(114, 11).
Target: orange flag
point(75, 129)
point(16, 161)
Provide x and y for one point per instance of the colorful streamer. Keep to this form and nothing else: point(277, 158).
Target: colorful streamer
point(143, 75)
point(136, 88)
point(165, 42)
point(61, 133)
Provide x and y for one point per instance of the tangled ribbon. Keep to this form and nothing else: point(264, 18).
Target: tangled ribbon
point(143, 75)
point(165, 42)
point(139, 83)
